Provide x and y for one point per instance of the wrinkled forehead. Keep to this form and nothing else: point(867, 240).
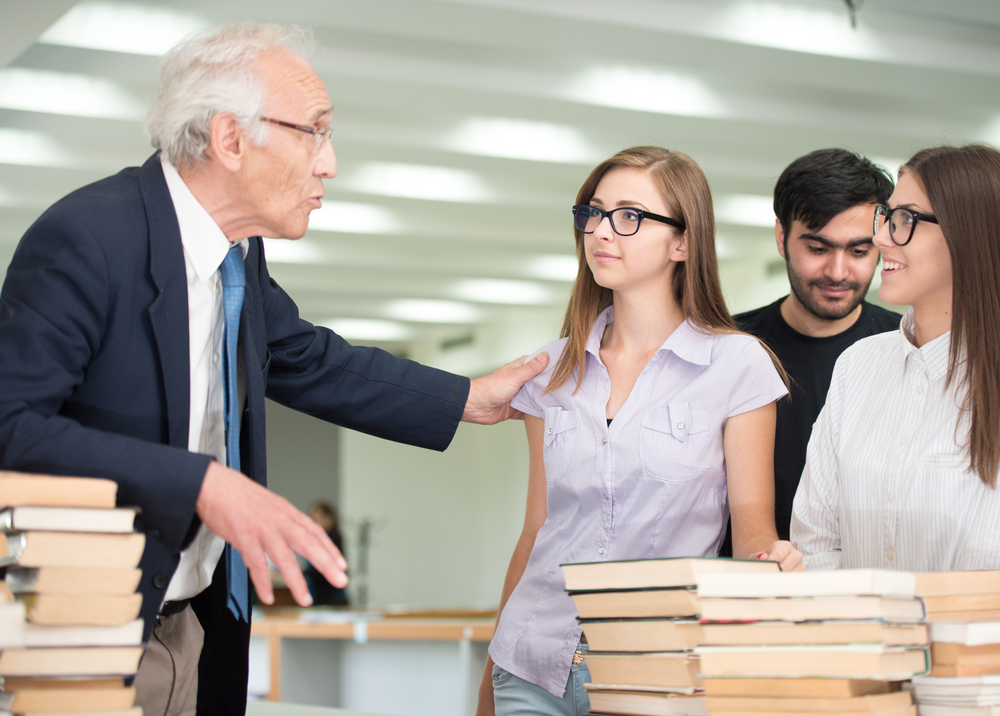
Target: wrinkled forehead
point(295, 92)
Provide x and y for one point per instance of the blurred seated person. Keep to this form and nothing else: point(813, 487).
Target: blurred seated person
point(325, 515)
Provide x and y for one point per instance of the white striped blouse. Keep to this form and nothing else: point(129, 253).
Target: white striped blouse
point(886, 483)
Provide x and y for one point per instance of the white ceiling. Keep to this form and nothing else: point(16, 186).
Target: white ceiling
point(464, 128)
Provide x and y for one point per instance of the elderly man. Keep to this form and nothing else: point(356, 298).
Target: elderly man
point(140, 333)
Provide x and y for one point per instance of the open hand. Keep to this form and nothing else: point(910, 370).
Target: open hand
point(257, 522)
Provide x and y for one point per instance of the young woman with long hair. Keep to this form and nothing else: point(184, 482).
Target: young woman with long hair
point(654, 419)
point(902, 465)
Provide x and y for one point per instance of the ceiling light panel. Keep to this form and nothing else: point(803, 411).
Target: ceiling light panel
point(122, 27)
point(287, 251)
point(432, 311)
point(554, 267)
point(64, 93)
point(487, 290)
point(521, 139)
point(32, 149)
point(647, 90)
point(355, 218)
point(745, 209)
point(368, 329)
point(416, 181)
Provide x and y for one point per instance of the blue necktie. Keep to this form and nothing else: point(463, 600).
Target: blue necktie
point(233, 283)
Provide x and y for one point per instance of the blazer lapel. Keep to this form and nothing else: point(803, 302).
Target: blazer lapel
point(168, 313)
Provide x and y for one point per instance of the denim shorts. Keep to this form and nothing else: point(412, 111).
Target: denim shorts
point(514, 696)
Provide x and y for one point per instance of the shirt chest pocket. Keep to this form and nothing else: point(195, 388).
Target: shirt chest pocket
point(674, 442)
point(561, 434)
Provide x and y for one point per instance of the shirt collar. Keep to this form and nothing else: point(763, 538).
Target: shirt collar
point(686, 342)
point(204, 243)
point(934, 354)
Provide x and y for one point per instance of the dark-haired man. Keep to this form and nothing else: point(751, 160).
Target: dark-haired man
point(824, 203)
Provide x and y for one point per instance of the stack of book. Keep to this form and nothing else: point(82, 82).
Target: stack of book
point(640, 619)
point(964, 608)
point(69, 627)
point(809, 642)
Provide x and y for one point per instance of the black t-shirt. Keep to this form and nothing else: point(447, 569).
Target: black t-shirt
point(809, 362)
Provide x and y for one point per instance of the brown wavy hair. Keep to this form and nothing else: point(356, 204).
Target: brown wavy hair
point(963, 187)
point(696, 286)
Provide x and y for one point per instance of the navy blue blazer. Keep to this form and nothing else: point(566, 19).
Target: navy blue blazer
point(94, 381)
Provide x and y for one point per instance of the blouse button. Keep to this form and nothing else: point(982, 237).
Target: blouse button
point(680, 426)
point(601, 550)
point(550, 431)
point(604, 441)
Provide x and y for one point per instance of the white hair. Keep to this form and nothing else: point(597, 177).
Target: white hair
point(211, 73)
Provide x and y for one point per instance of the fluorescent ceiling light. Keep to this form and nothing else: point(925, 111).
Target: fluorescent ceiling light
point(555, 267)
point(647, 90)
point(431, 311)
point(368, 329)
point(63, 93)
point(815, 30)
point(287, 251)
point(416, 181)
point(33, 149)
point(488, 290)
point(121, 27)
point(349, 217)
point(746, 209)
point(520, 139)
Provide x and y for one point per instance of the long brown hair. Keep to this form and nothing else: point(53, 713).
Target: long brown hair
point(963, 187)
point(696, 286)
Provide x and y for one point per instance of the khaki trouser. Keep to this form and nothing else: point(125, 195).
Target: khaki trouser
point(167, 684)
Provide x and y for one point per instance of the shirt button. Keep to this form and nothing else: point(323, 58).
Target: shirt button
point(214, 423)
point(902, 442)
point(889, 498)
point(889, 556)
point(601, 550)
point(920, 390)
point(680, 426)
point(604, 441)
point(218, 289)
point(215, 357)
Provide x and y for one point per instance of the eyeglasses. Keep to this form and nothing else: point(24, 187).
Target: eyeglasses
point(586, 218)
point(902, 222)
point(324, 134)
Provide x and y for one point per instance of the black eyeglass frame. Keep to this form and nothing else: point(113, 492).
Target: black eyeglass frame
point(320, 134)
point(918, 216)
point(643, 214)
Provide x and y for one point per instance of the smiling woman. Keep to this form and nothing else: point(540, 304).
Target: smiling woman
point(902, 465)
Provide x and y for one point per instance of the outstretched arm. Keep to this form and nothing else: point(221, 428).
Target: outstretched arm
point(534, 518)
point(749, 448)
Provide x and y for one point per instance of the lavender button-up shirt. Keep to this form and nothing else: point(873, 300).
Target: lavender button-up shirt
point(652, 484)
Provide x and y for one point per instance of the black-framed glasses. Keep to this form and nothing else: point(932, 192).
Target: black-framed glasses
point(902, 222)
point(320, 134)
point(586, 218)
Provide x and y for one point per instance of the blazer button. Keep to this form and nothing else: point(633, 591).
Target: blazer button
point(160, 581)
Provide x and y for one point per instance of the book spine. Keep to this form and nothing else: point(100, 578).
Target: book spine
point(15, 542)
point(22, 579)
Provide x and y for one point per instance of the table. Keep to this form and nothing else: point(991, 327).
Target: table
point(396, 665)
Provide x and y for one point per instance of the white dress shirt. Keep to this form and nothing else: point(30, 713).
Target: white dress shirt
point(205, 247)
point(887, 482)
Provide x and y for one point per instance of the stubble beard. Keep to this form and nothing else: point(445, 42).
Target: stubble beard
point(826, 310)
